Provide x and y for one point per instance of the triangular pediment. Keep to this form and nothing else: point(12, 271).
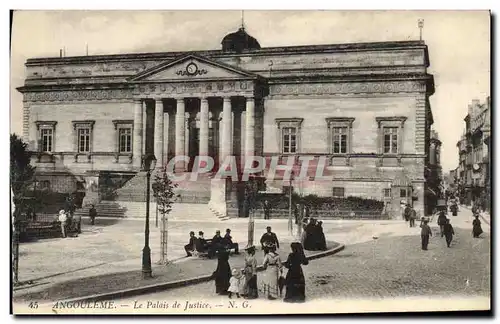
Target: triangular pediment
point(191, 67)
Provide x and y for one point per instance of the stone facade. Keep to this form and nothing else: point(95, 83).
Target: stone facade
point(104, 113)
point(474, 155)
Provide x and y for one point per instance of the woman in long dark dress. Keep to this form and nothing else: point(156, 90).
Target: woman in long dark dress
point(311, 235)
point(295, 282)
point(321, 245)
point(476, 227)
point(222, 274)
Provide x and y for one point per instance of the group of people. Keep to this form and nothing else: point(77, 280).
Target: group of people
point(68, 223)
point(243, 282)
point(313, 237)
point(446, 229)
point(212, 247)
point(410, 215)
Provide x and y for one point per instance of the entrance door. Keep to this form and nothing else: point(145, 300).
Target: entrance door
point(194, 146)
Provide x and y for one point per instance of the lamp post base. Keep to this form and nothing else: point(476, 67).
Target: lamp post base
point(147, 272)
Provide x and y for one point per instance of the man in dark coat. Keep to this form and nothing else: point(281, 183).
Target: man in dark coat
point(269, 238)
point(191, 246)
point(228, 242)
point(407, 212)
point(425, 234)
point(267, 209)
point(92, 214)
point(448, 232)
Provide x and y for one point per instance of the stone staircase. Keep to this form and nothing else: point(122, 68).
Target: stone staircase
point(134, 209)
point(194, 192)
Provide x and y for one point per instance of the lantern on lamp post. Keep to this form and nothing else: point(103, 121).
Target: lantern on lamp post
point(148, 165)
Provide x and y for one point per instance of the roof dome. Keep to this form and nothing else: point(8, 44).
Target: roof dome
point(239, 41)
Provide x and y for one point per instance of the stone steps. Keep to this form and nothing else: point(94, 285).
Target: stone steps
point(134, 209)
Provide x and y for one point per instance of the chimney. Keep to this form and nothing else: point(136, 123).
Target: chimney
point(470, 110)
point(60, 52)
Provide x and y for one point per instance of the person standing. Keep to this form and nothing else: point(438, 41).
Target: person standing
point(273, 268)
point(425, 234)
point(294, 280)
point(407, 212)
point(63, 218)
point(476, 227)
point(442, 221)
point(448, 232)
point(269, 238)
point(267, 209)
point(92, 214)
point(222, 273)
point(234, 283)
point(250, 271)
point(413, 217)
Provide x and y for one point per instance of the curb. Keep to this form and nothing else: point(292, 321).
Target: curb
point(174, 284)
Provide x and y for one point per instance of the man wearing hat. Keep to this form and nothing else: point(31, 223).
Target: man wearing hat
point(228, 242)
point(191, 245)
point(269, 238)
point(425, 233)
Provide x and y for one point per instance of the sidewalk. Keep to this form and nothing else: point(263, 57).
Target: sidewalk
point(486, 217)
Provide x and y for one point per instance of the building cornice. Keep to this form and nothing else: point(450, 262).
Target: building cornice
point(302, 49)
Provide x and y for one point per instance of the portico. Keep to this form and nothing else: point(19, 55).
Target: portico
point(181, 109)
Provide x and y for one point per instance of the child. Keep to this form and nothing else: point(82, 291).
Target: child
point(234, 284)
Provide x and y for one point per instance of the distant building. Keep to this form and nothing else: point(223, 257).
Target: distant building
point(474, 154)
point(434, 173)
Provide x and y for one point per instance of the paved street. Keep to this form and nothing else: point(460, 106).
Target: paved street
point(115, 245)
point(393, 265)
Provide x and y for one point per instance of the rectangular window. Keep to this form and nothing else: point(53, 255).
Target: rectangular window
point(391, 140)
point(289, 140)
point(387, 193)
point(125, 140)
point(47, 139)
point(84, 140)
point(402, 193)
point(339, 135)
point(338, 192)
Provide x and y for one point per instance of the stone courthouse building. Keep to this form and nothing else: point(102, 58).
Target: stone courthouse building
point(363, 106)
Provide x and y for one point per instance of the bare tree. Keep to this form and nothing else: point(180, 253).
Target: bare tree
point(163, 191)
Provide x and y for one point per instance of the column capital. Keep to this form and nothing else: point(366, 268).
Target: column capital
point(226, 99)
point(250, 97)
point(204, 99)
point(157, 100)
point(138, 101)
point(179, 99)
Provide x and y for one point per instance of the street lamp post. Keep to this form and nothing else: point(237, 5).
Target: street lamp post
point(149, 163)
point(290, 218)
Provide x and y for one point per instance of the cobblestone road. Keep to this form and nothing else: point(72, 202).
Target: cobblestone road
point(390, 266)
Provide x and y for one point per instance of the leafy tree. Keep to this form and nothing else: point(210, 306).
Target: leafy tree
point(21, 171)
point(163, 191)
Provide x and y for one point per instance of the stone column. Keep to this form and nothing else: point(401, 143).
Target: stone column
point(250, 127)
point(166, 123)
point(227, 122)
point(144, 126)
point(137, 144)
point(204, 127)
point(180, 132)
point(158, 139)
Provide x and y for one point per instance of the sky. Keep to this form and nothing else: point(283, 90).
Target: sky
point(458, 41)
